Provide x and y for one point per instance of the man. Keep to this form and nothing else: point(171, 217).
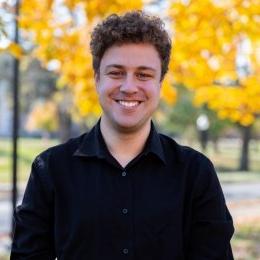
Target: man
point(123, 191)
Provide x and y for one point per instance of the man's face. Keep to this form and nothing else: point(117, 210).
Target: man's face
point(128, 85)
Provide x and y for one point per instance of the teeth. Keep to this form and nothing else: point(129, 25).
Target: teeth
point(128, 103)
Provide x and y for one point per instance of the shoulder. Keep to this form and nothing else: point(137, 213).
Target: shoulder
point(191, 164)
point(62, 151)
point(194, 167)
point(183, 154)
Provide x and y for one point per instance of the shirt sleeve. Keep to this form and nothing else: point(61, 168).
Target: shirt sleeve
point(33, 219)
point(212, 225)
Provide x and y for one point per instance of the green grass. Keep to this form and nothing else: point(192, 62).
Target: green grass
point(28, 149)
point(246, 241)
point(226, 159)
point(238, 176)
point(4, 257)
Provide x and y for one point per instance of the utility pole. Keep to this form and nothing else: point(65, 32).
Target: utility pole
point(15, 131)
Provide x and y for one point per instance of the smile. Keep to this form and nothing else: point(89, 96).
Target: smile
point(128, 104)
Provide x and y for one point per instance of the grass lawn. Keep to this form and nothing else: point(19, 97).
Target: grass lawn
point(246, 241)
point(28, 149)
point(238, 176)
point(226, 159)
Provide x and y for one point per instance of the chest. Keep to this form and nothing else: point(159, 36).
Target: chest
point(152, 193)
point(112, 206)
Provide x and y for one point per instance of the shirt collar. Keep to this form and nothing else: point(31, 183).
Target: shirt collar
point(93, 144)
point(153, 144)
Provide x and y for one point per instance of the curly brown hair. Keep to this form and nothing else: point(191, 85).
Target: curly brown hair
point(132, 27)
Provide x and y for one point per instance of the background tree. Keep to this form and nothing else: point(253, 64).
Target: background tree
point(41, 118)
point(180, 121)
point(62, 43)
point(215, 46)
point(60, 33)
point(215, 55)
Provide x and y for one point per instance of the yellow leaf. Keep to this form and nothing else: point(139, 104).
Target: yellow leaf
point(168, 92)
point(247, 120)
point(15, 50)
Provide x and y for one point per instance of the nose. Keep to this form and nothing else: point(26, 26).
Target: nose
point(129, 85)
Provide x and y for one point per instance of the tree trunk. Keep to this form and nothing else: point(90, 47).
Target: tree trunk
point(65, 120)
point(244, 156)
point(64, 125)
point(215, 141)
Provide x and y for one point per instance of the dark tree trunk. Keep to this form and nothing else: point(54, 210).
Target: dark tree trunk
point(65, 124)
point(215, 141)
point(203, 138)
point(244, 156)
point(65, 121)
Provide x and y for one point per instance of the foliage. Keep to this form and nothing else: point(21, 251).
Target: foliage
point(215, 49)
point(181, 120)
point(256, 128)
point(2, 31)
point(211, 39)
point(42, 117)
point(216, 54)
point(60, 31)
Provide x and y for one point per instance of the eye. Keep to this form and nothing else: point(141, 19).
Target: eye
point(143, 76)
point(116, 74)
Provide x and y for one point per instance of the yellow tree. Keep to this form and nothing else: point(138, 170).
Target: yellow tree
point(60, 31)
point(41, 118)
point(216, 55)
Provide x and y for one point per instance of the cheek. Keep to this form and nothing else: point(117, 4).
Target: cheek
point(107, 85)
point(106, 92)
point(102, 88)
point(152, 90)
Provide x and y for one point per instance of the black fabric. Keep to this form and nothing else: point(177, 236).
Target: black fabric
point(166, 204)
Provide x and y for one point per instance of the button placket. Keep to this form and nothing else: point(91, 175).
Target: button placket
point(126, 203)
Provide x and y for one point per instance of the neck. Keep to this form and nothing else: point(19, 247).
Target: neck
point(124, 145)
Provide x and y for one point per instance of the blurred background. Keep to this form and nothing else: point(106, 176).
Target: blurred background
point(210, 97)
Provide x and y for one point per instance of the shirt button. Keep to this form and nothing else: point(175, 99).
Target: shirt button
point(125, 251)
point(125, 211)
point(123, 174)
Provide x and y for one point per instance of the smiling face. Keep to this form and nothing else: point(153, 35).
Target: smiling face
point(128, 86)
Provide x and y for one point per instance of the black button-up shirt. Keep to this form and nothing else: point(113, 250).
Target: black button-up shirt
point(166, 204)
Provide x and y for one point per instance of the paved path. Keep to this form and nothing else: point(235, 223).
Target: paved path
point(243, 200)
point(241, 191)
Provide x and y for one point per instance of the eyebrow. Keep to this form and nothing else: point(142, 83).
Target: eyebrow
point(121, 67)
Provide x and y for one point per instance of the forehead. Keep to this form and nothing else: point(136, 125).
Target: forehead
point(132, 55)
